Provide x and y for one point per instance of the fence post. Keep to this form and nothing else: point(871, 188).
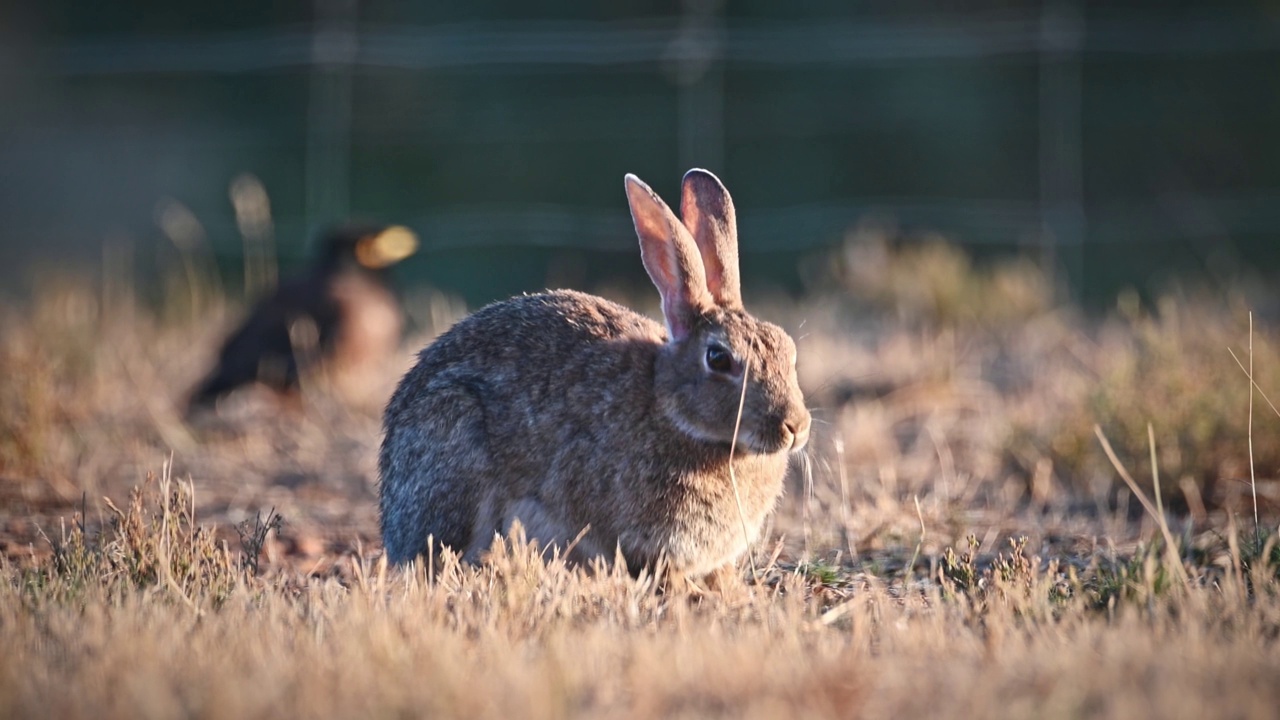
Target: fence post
point(328, 152)
point(1062, 217)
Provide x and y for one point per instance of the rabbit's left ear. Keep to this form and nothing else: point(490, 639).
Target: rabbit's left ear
point(707, 211)
point(671, 258)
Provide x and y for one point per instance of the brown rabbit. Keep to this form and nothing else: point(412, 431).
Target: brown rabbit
point(570, 412)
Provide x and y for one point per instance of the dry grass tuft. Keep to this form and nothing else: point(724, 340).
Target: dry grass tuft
point(1168, 369)
point(152, 546)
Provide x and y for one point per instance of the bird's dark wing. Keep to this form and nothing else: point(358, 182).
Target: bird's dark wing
point(261, 349)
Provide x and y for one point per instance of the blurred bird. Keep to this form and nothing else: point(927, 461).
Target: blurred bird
point(340, 311)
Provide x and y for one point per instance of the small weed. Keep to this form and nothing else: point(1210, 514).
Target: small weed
point(253, 537)
point(821, 573)
point(960, 572)
point(1139, 578)
point(1016, 567)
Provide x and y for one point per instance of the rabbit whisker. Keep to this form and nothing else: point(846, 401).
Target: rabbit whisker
point(733, 478)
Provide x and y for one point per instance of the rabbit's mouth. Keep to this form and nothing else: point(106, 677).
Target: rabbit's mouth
point(786, 440)
point(790, 435)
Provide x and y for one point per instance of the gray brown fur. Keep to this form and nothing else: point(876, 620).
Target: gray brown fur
point(568, 411)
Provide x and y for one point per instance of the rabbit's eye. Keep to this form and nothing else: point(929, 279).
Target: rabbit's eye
point(719, 359)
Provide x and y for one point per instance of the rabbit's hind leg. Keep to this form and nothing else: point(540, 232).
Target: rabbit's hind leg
point(550, 530)
point(433, 470)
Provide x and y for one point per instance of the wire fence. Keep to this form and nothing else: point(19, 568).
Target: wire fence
point(1058, 187)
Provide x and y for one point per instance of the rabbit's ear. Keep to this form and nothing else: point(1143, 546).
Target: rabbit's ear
point(707, 210)
point(670, 257)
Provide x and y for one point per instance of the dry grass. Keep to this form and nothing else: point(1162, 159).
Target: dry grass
point(149, 619)
point(982, 359)
point(956, 548)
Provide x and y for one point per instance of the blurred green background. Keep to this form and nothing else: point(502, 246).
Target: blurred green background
point(1117, 143)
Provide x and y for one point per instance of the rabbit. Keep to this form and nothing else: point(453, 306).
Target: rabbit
point(596, 427)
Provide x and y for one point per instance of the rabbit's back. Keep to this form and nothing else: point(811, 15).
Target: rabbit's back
point(542, 345)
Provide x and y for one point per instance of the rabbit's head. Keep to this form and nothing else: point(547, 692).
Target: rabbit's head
point(713, 343)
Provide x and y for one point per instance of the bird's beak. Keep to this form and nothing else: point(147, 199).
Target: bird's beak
point(387, 247)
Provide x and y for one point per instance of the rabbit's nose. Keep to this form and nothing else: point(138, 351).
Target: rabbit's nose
point(798, 429)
